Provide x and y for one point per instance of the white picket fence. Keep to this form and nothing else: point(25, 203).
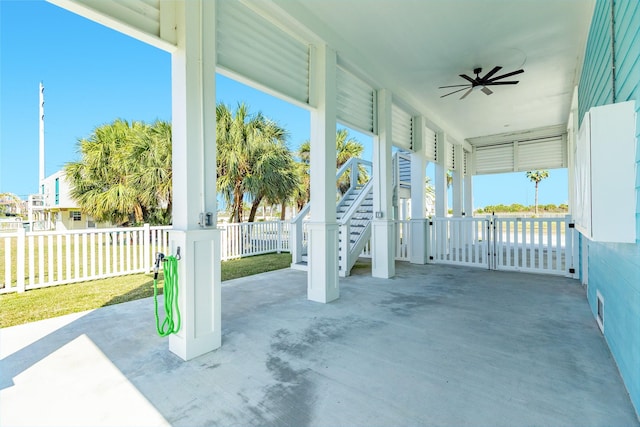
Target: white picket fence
point(49, 258)
point(253, 238)
point(403, 242)
point(39, 259)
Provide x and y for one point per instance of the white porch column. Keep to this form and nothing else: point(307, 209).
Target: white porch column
point(457, 184)
point(382, 227)
point(194, 180)
point(322, 277)
point(442, 201)
point(468, 187)
point(418, 223)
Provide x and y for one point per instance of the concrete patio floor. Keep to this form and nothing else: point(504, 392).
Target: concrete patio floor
point(436, 345)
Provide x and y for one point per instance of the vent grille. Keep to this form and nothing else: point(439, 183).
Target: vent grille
point(600, 311)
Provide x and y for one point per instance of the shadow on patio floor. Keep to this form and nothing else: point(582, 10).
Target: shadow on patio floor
point(435, 345)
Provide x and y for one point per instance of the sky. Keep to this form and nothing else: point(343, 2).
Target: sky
point(93, 75)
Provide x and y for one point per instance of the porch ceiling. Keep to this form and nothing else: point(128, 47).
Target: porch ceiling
point(413, 47)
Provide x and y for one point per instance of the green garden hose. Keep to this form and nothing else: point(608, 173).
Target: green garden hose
point(171, 323)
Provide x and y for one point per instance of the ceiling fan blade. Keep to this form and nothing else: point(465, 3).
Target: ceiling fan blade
point(455, 91)
point(464, 76)
point(442, 87)
point(513, 73)
point(467, 93)
point(486, 90)
point(500, 83)
point(492, 72)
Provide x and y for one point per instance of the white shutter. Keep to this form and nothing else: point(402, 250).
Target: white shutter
point(542, 154)
point(254, 48)
point(430, 141)
point(494, 159)
point(451, 156)
point(465, 164)
point(401, 127)
point(356, 101)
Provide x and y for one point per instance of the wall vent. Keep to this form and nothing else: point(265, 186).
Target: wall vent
point(600, 311)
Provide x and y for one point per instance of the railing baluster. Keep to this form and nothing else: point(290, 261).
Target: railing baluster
point(76, 258)
point(7, 261)
point(32, 260)
point(40, 260)
point(85, 253)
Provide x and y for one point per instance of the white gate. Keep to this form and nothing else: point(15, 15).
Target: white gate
point(530, 244)
point(463, 241)
point(537, 245)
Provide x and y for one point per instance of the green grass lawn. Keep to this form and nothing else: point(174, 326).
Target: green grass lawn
point(38, 304)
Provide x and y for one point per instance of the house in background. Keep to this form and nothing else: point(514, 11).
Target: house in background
point(377, 67)
point(55, 209)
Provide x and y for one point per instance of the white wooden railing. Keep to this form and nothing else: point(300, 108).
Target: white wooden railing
point(536, 245)
point(48, 258)
point(459, 241)
point(253, 238)
point(403, 242)
point(31, 260)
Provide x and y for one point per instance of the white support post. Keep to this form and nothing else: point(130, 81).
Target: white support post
point(280, 229)
point(322, 276)
point(383, 227)
point(468, 187)
point(468, 197)
point(441, 176)
point(457, 183)
point(194, 180)
point(295, 242)
point(418, 253)
point(20, 260)
point(147, 264)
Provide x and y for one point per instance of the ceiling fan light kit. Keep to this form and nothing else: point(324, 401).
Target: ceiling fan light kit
point(481, 83)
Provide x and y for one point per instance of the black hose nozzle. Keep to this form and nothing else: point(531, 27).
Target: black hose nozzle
point(156, 268)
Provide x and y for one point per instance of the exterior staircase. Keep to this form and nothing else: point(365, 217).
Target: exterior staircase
point(354, 213)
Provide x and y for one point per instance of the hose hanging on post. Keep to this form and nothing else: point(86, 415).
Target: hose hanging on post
point(171, 323)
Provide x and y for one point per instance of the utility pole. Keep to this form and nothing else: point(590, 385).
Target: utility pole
point(41, 118)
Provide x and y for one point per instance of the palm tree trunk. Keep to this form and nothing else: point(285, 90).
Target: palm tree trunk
point(254, 208)
point(237, 205)
point(536, 198)
point(283, 212)
point(137, 211)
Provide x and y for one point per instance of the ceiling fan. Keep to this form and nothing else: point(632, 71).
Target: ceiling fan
point(482, 82)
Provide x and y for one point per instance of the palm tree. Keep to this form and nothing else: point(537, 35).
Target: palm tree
point(124, 173)
point(274, 177)
point(430, 190)
point(535, 177)
point(101, 180)
point(346, 148)
point(152, 149)
point(244, 142)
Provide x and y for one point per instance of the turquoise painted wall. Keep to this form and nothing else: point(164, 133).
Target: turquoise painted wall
point(614, 269)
